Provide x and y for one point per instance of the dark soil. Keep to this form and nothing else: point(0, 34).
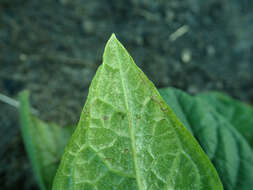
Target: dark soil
point(53, 47)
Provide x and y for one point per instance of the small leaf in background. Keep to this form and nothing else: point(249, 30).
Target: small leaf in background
point(44, 143)
point(128, 137)
point(237, 113)
point(227, 149)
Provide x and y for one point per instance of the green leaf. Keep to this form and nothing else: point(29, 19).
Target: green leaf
point(237, 113)
point(128, 137)
point(44, 143)
point(227, 149)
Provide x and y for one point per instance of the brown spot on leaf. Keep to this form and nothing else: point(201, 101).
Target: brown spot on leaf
point(126, 150)
point(122, 115)
point(138, 117)
point(108, 159)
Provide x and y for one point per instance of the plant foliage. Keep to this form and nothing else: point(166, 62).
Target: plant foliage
point(44, 143)
point(224, 145)
point(128, 137)
point(239, 114)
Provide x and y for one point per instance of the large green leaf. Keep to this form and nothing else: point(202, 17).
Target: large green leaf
point(44, 143)
point(238, 113)
point(228, 150)
point(128, 138)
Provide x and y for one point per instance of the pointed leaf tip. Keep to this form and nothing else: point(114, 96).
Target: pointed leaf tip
point(113, 36)
point(112, 40)
point(114, 53)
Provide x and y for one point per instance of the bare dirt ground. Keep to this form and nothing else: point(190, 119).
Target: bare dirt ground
point(53, 49)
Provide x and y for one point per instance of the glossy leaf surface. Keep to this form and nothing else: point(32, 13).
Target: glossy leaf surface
point(129, 139)
point(44, 143)
point(224, 145)
point(237, 113)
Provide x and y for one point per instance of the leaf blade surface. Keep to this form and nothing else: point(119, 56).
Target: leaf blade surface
point(227, 149)
point(237, 113)
point(128, 138)
point(44, 143)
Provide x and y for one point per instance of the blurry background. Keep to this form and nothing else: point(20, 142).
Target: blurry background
point(53, 47)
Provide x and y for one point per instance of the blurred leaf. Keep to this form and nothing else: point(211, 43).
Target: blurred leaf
point(237, 113)
point(224, 145)
point(44, 143)
point(128, 138)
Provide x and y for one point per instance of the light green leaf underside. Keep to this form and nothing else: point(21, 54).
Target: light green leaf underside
point(128, 138)
point(227, 149)
point(237, 113)
point(44, 143)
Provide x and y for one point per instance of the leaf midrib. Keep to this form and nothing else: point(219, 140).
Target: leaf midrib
point(132, 138)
